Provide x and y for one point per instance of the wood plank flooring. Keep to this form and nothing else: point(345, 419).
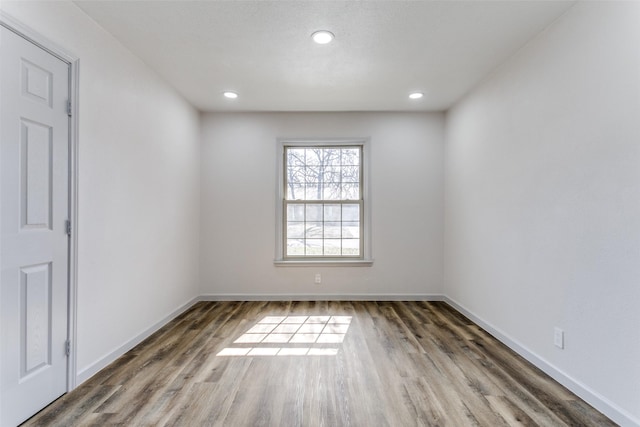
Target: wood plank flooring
point(378, 364)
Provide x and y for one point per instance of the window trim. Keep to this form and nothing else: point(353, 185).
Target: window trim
point(366, 259)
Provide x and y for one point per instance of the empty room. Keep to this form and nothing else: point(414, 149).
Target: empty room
point(320, 213)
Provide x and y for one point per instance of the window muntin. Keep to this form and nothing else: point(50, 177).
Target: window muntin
point(323, 203)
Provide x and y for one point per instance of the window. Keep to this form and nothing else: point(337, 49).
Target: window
point(322, 201)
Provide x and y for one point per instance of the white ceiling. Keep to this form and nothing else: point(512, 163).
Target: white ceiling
point(383, 50)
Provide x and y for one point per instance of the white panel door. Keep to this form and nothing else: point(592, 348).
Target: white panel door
point(34, 206)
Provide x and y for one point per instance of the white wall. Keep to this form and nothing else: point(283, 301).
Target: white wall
point(238, 209)
point(542, 208)
point(138, 186)
point(543, 201)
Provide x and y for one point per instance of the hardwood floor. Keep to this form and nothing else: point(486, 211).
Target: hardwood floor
point(399, 364)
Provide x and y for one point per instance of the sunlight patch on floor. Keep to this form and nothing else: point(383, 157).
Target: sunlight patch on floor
point(294, 330)
point(276, 351)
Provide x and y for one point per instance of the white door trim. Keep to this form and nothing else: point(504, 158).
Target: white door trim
point(74, 66)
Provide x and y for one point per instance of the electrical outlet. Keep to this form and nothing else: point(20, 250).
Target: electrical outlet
point(558, 337)
point(318, 278)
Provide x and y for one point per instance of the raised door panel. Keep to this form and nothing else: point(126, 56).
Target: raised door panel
point(35, 175)
point(35, 321)
point(37, 83)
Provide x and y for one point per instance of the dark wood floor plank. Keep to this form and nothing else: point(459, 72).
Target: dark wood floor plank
point(399, 364)
point(510, 412)
point(135, 398)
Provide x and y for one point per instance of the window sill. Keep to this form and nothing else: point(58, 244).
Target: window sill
point(324, 263)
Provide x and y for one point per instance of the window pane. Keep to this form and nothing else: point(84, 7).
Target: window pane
point(332, 174)
point(295, 156)
point(295, 175)
point(313, 156)
point(314, 247)
point(351, 247)
point(295, 230)
point(313, 229)
point(322, 173)
point(350, 174)
point(350, 230)
point(314, 212)
point(295, 192)
point(351, 212)
point(332, 212)
point(332, 230)
point(295, 247)
point(313, 191)
point(350, 156)
point(331, 156)
point(350, 191)
point(295, 212)
point(311, 174)
point(333, 247)
point(332, 191)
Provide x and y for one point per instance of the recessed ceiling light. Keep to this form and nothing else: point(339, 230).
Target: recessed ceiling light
point(322, 36)
point(416, 95)
point(231, 95)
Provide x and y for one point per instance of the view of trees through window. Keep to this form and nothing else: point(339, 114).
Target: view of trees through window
point(323, 201)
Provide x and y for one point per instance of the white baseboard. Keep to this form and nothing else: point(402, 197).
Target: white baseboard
point(321, 297)
point(110, 357)
point(593, 398)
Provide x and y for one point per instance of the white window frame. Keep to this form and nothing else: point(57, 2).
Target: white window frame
point(366, 259)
